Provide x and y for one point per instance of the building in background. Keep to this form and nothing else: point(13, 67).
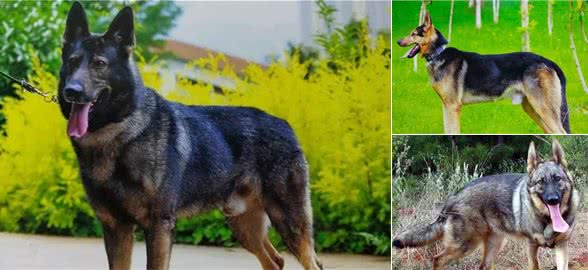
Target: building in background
point(254, 32)
point(377, 14)
point(185, 53)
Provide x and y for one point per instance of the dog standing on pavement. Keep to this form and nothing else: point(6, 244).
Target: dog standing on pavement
point(144, 160)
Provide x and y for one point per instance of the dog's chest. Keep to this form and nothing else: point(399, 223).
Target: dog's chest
point(120, 184)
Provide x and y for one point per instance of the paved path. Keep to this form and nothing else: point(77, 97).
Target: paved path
point(18, 251)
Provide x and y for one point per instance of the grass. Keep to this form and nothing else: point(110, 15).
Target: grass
point(417, 108)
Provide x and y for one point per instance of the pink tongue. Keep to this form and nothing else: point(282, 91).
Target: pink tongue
point(559, 224)
point(77, 126)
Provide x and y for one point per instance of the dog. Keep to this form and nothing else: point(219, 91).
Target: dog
point(461, 78)
point(144, 161)
point(539, 206)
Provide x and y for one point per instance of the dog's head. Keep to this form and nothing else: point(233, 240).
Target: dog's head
point(425, 38)
point(550, 184)
point(96, 78)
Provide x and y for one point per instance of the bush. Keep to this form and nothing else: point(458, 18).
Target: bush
point(342, 119)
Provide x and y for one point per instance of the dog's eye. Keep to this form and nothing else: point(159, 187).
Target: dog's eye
point(99, 63)
point(73, 60)
point(540, 181)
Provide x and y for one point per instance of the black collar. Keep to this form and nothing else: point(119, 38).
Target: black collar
point(430, 57)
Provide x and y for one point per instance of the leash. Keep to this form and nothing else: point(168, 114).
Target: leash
point(30, 88)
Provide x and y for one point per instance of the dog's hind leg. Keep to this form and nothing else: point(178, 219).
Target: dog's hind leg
point(271, 250)
point(533, 114)
point(250, 228)
point(561, 255)
point(548, 114)
point(291, 214)
point(492, 247)
point(543, 91)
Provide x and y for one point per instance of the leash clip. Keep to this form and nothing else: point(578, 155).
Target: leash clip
point(30, 88)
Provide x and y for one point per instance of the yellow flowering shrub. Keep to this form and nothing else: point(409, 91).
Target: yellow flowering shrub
point(341, 117)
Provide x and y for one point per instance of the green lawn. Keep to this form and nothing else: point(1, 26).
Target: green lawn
point(416, 108)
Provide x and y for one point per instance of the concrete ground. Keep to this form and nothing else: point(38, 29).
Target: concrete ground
point(18, 251)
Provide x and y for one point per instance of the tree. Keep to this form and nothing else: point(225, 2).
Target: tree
point(37, 26)
point(478, 14)
point(496, 10)
point(525, 25)
point(581, 7)
point(550, 16)
point(573, 48)
point(450, 20)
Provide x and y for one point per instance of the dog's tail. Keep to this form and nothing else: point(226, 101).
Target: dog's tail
point(418, 237)
point(565, 114)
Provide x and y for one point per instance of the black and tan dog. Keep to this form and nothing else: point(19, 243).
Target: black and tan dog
point(539, 206)
point(461, 78)
point(145, 161)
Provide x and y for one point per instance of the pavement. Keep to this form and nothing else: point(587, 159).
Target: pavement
point(20, 251)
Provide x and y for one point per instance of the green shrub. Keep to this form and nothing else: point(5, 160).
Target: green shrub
point(341, 117)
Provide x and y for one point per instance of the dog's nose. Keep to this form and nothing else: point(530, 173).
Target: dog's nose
point(73, 91)
point(552, 199)
point(399, 42)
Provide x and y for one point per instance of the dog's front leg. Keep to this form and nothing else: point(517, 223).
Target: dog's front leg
point(532, 255)
point(159, 242)
point(561, 255)
point(118, 239)
point(451, 118)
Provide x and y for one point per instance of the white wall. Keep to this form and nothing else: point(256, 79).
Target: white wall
point(377, 12)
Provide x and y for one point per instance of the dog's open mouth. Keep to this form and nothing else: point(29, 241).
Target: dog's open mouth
point(412, 52)
point(77, 125)
point(557, 221)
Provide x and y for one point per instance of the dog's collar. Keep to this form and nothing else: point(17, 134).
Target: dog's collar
point(437, 52)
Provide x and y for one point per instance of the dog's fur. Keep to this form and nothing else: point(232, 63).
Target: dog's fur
point(145, 161)
point(490, 208)
point(461, 78)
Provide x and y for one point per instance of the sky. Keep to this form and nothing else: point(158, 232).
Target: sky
point(251, 30)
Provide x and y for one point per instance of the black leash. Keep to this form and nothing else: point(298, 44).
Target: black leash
point(28, 87)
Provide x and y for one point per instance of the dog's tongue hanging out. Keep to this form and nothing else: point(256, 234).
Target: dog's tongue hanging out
point(559, 224)
point(77, 126)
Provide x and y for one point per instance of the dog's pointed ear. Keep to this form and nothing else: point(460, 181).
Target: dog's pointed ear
point(427, 21)
point(558, 153)
point(122, 28)
point(532, 158)
point(76, 26)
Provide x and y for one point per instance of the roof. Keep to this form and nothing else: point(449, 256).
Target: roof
point(189, 52)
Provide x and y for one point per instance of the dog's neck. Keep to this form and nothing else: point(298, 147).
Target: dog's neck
point(435, 52)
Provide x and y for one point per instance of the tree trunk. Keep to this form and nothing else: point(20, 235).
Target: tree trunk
point(478, 14)
point(583, 30)
point(573, 47)
point(450, 20)
point(550, 16)
point(421, 19)
point(496, 10)
point(525, 25)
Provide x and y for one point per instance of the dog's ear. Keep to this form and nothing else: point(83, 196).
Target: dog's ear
point(558, 153)
point(427, 21)
point(122, 28)
point(532, 158)
point(76, 26)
